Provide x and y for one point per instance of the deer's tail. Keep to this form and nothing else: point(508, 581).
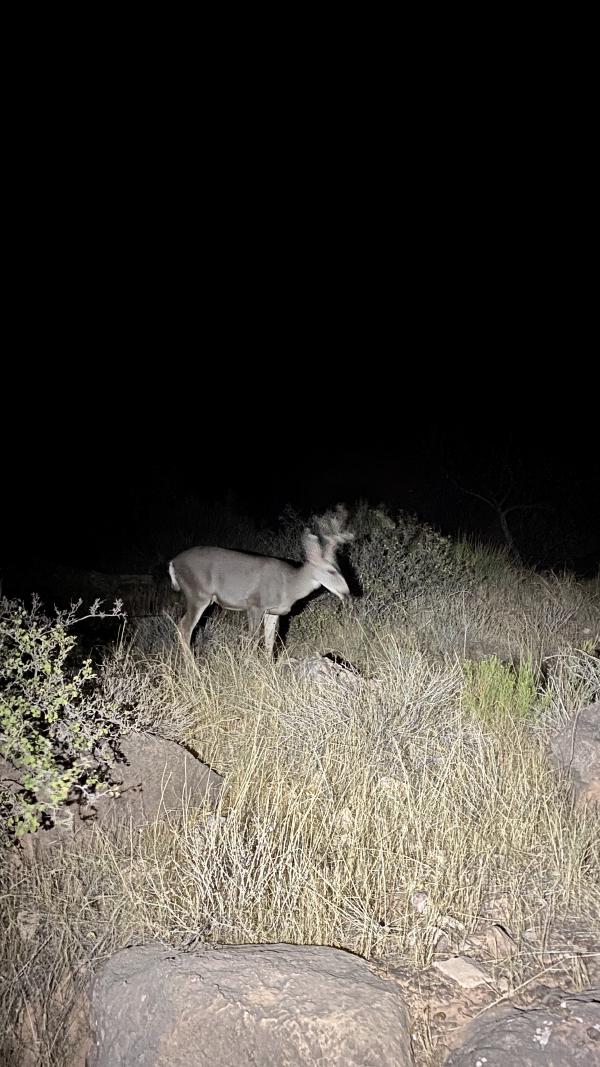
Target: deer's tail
point(174, 582)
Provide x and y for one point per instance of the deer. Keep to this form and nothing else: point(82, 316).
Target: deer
point(263, 586)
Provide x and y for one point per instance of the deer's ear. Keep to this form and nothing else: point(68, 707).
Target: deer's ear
point(312, 547)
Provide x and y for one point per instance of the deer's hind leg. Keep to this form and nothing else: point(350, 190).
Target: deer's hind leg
point(196, 606)
point(255, 618)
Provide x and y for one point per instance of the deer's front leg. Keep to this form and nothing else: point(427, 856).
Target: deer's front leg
point(271, 624)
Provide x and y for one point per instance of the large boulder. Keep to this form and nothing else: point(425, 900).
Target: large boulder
point(567, 1035)
point(576, 750)
point(153, 777)
point(273, 1005)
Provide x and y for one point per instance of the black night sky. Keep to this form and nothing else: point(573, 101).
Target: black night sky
point(402, 317)
point(115, 477)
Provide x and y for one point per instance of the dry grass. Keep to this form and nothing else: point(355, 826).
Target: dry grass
point(422, 775)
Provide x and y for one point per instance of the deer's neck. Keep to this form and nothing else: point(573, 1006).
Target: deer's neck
point(304, 582)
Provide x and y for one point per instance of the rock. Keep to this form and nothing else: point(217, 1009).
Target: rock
point(273, 1005)
point(576, 750)
point(28, 924)
point(420, 901)
point(489, 943)
point(330, 669)
point(538, 1037)
point(499, 942)
point(156, 777)
point(463, 971)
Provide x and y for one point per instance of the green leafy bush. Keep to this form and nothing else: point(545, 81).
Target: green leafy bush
point(56, 730)
point(498, 693)
point(396, 557)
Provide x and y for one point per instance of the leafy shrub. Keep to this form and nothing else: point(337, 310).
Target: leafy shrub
point(498, 693)
point(56, 730)
point(396, 557)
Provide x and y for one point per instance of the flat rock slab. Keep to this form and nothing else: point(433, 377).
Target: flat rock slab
point(231, 1006)
point(465, 972)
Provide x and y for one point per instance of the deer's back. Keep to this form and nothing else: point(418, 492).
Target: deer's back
point(234, 579)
